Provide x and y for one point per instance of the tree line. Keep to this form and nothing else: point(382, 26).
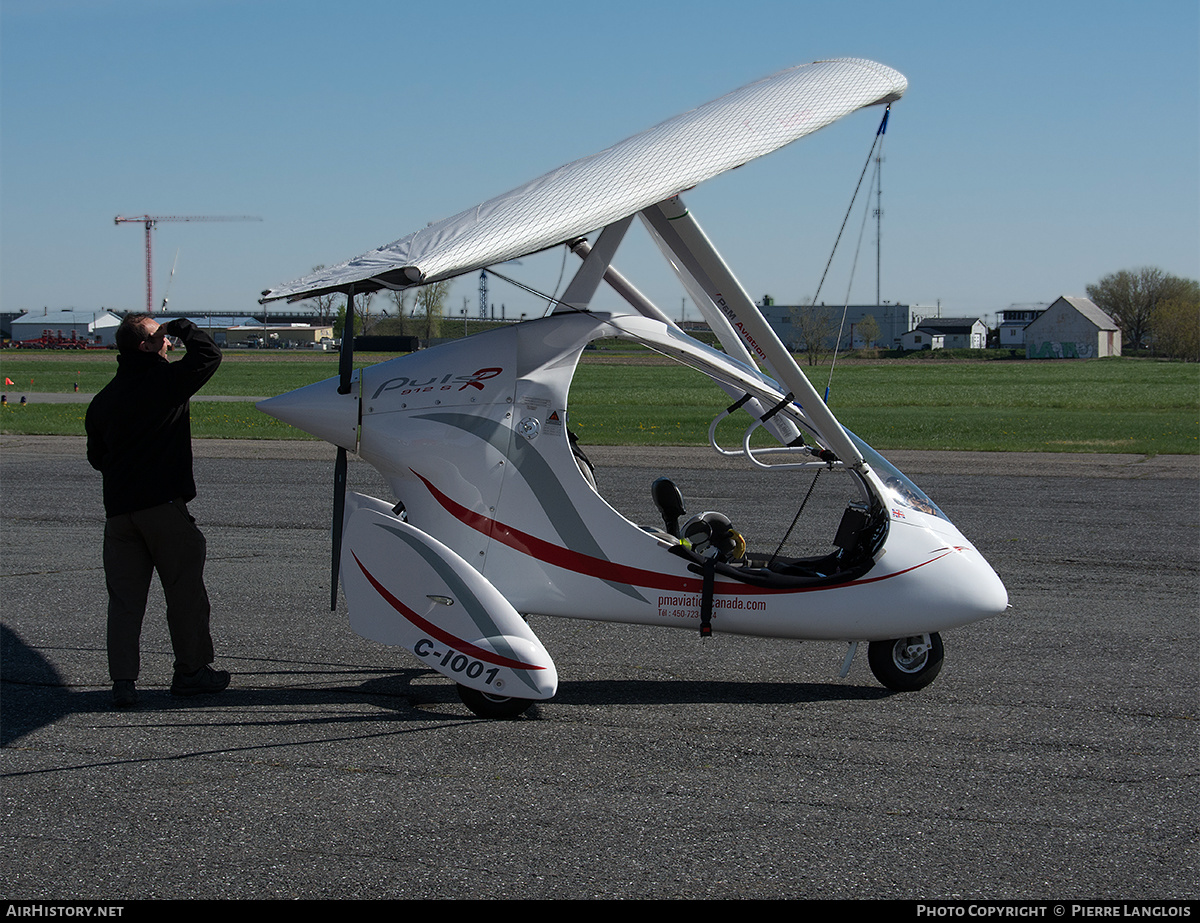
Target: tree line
point(413, 312)
point(1157, 313)
point(1155, 310)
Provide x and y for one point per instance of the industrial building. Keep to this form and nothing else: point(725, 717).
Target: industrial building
point(60, 327)
point(838, 325)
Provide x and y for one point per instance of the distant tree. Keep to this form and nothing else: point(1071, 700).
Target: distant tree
point(868, 330)
point(364, 312)
point(362, 316)
point(814, 330)
point(339, 322)
point(402, 300)
point(1131, 296)
point(326, 305)
point(429, 304)
point(1176, 326)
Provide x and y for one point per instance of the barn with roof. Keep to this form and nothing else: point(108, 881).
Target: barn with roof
point(1072, 328)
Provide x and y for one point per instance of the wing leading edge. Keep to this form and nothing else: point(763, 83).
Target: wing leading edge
point(588, 194)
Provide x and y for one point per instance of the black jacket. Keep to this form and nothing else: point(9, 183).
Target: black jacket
point(139, 433)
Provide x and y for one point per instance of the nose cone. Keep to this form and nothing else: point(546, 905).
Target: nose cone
point(968, 584)
point(319, 409)
point(973, 588)
point(991, 597)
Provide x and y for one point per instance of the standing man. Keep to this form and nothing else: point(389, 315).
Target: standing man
point(139, 437)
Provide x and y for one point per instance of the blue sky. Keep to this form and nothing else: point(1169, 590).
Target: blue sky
point(1040, 145)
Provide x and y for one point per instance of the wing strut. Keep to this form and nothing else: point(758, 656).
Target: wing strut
point(672, 222)
point(782, 428)
point(622, 286)
point(588, 277)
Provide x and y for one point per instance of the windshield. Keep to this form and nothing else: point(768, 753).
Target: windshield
point(900, 489)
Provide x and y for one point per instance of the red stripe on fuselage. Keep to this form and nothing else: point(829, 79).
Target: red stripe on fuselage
point(465, 647)
point(549, 553)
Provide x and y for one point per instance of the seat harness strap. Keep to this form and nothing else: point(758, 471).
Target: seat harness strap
point(706, 598)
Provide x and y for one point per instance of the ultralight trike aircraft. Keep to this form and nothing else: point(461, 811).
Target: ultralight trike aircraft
point(498, 516)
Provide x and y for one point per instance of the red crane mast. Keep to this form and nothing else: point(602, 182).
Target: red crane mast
point(149, 221)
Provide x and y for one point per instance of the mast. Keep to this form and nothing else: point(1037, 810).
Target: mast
point(878, 220)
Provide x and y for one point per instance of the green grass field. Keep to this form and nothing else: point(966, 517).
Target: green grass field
point(1137, 406)
point(254, 374)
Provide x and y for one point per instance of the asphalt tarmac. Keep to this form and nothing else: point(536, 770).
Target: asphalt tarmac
point(1055, 757)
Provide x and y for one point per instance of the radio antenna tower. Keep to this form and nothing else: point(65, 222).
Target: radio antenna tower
point(878, 219)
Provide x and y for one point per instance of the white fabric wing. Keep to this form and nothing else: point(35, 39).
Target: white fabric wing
point(588, 194)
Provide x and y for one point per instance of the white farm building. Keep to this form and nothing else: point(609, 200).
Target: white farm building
point(1072, 328)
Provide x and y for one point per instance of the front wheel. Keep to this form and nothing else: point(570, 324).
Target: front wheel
point(486, 705)
point(907, 664)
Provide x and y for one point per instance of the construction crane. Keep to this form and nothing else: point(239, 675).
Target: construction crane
point(149, 221)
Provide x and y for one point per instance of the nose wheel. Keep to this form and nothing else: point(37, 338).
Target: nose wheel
point(906, 664)
point(486, 705)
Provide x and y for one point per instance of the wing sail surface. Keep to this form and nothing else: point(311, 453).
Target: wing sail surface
point(588, 194)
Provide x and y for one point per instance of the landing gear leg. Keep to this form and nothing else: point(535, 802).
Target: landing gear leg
point(849, 659)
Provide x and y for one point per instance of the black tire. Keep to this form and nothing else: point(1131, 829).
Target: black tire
point(899, 672)
point(486, 705)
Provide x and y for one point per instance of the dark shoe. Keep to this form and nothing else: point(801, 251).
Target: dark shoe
point(124, 694)
point(206, 679)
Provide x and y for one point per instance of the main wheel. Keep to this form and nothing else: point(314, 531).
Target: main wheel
point(907, 664)
point(486, 705)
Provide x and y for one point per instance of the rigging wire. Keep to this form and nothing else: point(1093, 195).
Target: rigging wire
point(876, 141)
point(878, 134)
point(551, 300)
point(562, 271)
point(837, 345)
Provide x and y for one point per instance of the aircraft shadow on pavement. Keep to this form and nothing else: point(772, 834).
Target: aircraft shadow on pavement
point(36, 695)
